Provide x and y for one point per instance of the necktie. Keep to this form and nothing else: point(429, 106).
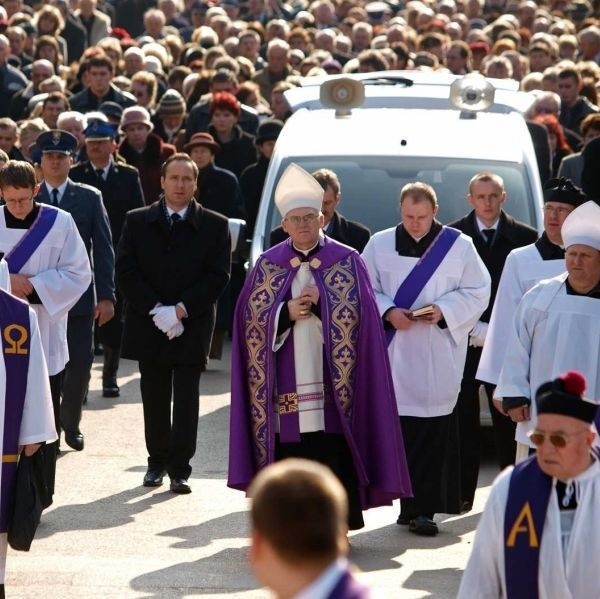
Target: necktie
point(488, 235)
point(100, 173)
point(55, 197)
point(175, 218)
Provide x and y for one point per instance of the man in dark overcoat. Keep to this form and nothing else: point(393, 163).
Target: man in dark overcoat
point(495, 234)
point(173, 262)
point(121, 191)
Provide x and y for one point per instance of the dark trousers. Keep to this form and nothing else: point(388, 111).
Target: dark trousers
point(170, 445)
point(80, 339)
point(56, 381)
point(333, 451)
point(504, 432)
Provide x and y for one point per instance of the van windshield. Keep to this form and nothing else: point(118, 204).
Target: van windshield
point(370, 187)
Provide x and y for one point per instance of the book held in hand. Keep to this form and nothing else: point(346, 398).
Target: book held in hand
point(422, 312)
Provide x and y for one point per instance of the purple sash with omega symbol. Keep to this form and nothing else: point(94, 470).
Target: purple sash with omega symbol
point(526, 507)
point(16, 335)
point(422, 271)
point(18, 256)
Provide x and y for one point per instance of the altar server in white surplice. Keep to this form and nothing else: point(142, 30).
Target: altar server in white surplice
point(47, 260)
point(524, 268)
point(27, 404)
point(557, 324)
point(538, 536)
point(418, 263)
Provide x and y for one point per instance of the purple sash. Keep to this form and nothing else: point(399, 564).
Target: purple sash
point(526, 507)
point(15, 333)
point(287, 396)
point(18, 256)
point(422, 271)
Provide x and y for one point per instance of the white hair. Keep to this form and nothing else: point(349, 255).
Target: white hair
point(71, 115)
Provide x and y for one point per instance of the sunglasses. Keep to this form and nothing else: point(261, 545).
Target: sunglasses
point(559, 440)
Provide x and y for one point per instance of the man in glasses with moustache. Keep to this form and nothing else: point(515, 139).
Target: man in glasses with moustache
point(556, 325)
point(538, 533)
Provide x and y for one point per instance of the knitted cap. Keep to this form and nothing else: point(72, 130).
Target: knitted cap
point(171, 103)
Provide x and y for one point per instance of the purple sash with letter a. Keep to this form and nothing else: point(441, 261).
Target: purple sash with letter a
point(526, 507)
point(18, 256)
point(423, 270)
point(16, 335)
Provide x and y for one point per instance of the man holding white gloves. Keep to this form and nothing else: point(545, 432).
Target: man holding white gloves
point(495, 234)
point(173, 262)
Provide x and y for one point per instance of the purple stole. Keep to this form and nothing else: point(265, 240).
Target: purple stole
point(18, 256)
point(526, 506)
point(422, 271)
point(15, 333)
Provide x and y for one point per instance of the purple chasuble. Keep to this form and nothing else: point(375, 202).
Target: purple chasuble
point(526, 506)
point(422, 271)
point(357, 373)
point(16, 336)
point(18, 256)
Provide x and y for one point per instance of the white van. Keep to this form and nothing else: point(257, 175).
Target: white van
point(379, 131)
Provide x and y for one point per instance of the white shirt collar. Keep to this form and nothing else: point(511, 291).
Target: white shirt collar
point(181, 212)
point(61, 189)
point(105, 169)
point(482, 226)
point(322, 586)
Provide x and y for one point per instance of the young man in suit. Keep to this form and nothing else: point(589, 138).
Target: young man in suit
point(121, 191)
point(173, 263)
point(495, 234)
point(84, 203)
point(299, 546)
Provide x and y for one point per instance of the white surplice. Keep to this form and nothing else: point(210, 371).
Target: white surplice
point(427, 360)
point(37, 424)
point(552, 332)
point(568, 574)
point(523, 269)
point(59, 270)
point(4, 275)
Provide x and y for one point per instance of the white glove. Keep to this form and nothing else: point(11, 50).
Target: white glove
point(175, 331)
point(477, 335)
point(165, 318)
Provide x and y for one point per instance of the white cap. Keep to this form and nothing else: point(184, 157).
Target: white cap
point(297, 189)
point(582, 226)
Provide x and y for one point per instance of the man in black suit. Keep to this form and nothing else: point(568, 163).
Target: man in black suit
point(121, 191)
point(495, 234)
point(336, 226)
point(173, 262)
point(84, 203)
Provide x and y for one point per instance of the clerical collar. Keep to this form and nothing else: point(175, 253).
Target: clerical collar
point(549, 250)
point(406, 245)
point(305, 255)
point(593, 293)
point(17, 223)
point(483, 226)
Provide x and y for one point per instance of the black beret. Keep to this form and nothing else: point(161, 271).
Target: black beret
point(564, 395)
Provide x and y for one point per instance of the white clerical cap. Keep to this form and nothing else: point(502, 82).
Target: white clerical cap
point(297, 189)
point(582, 226)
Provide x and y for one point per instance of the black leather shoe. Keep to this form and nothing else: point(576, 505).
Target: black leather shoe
point(422, 525)
point(153, 478)
point(180, 485)
point(74, 439)
point(403, 520)
point(110, 391)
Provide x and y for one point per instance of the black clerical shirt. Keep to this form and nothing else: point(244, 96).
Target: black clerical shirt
point(406, 245)
point(549, 250)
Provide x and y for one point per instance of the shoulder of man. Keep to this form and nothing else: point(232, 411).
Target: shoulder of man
point(464, 224)
point(520, 232)
point(83, 188)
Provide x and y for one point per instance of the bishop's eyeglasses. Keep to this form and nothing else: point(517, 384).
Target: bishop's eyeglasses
point(307, 219)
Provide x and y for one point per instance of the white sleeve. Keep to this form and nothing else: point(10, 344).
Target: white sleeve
point(384, 302)
point(4, 275)
point(60, 288)
point(37, 423)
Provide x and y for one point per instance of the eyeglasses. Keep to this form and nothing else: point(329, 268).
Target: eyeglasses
point(307, 219)
point(557, 211)
point(559, 440)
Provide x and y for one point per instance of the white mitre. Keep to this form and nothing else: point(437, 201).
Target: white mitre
point(582, 226)
point(297, 189)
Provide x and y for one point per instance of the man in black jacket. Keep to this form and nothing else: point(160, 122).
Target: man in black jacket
point(170, 314)
point(495, 234)
point(336, 226)
point(121, 191)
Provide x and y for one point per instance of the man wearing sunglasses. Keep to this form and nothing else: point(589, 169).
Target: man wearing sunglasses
point(538, 533)
point(310, 375)
point(556, 325)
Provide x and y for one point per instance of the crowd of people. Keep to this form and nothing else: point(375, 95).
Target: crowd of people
point(130, 131)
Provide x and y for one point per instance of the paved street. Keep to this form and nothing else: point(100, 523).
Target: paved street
point(107, 536)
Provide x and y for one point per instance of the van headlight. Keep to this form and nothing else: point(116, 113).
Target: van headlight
point(471, 94)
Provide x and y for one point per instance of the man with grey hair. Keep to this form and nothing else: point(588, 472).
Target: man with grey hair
point(589, 44)
point(11, 79)
point(75, 123)
point(41, 70)
point(278, 67)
